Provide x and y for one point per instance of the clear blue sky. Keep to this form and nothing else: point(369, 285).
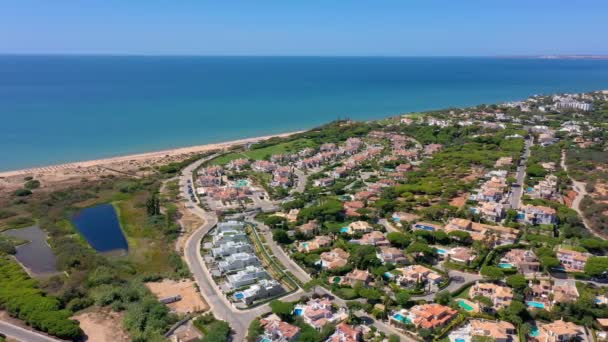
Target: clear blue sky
point(311, 27)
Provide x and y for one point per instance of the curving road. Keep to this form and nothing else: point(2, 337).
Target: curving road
point(21, 334)
point(239, 320)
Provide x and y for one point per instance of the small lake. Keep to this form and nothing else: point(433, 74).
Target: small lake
point(36, 255)
point(100, 227)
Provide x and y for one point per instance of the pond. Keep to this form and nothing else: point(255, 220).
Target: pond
point(100, 227)
point(35, 255)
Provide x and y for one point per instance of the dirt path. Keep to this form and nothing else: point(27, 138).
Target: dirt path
point(581, 192)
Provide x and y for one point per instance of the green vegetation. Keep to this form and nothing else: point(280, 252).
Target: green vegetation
point(21, 297)
point(265, 150)
point(214, 330)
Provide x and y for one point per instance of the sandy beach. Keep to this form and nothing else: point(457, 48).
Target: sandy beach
point(136, 164)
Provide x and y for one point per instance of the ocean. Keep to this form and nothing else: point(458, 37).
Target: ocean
point(57, 109)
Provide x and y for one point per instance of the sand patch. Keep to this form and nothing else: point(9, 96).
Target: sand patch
point(601, 189)
point(459, 201)
point(476, 173)
point(569, 198)
point(102, 325)
point(191, 301)
point(137, 165)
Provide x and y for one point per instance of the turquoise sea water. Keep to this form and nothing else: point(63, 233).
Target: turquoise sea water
point(65, 108)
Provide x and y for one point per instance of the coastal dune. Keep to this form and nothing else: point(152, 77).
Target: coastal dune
point(128, 164)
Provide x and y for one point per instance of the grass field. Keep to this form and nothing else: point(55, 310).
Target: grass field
point(265, 152)
point(147, 246)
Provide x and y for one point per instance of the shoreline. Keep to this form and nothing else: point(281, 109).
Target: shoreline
point(141, 157)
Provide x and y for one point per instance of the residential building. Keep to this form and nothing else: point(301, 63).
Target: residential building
point(246, 276)
point(559, 331)
point(499, 331)
point(222, 237)
point(264, 166)
point(319, 312)
point(262, 289)
point(525, 260)
point(498, 235)
point(426, 316)
point(275, 330)
point(572, 104)
point(374, 238)
point(572, 261)
point(346, 333)
point(491, 211)
point(238, 261)
point(333, 259)
point(309, 228)
point(391, 255)
point(359, 227)
point(355, 277)
point(417, 274)
point(327, 181)
point(501, 296)
point(462, 255)
point(230, 226)
point(231, 247)
point(316, 243)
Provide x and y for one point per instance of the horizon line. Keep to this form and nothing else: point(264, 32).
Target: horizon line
point(107, 54)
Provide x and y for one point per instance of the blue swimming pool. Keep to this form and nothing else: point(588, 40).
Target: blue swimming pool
point(297, 312)
point(520, 216)
point(459, 340)
point(401, 318)
point(344, 230)
point(388, 275)
point(537, 305)
point(424, 227)
point(505, 265)
point(396, 219)
point(534, 331)
point(239, 295)
point(441, 251)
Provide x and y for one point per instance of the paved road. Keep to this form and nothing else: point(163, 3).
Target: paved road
point(220, 306)
point(21, 334)
point(301, 183)
point(516, 192)
point(279, 253)
point(581, 192)
point(388, 226)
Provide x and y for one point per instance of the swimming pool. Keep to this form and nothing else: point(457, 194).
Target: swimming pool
point(441, 251)
point(241, 183)
point(534, 331)
point(239, 295)
point(305, 245)
point(537, 305)
point(344, 230)
point(505, 265)
point(460, 340)
point(465, 305)
point(297, 312)
point(424, 227)
point(402, 318)
point(388, 275)
point(396, 219)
